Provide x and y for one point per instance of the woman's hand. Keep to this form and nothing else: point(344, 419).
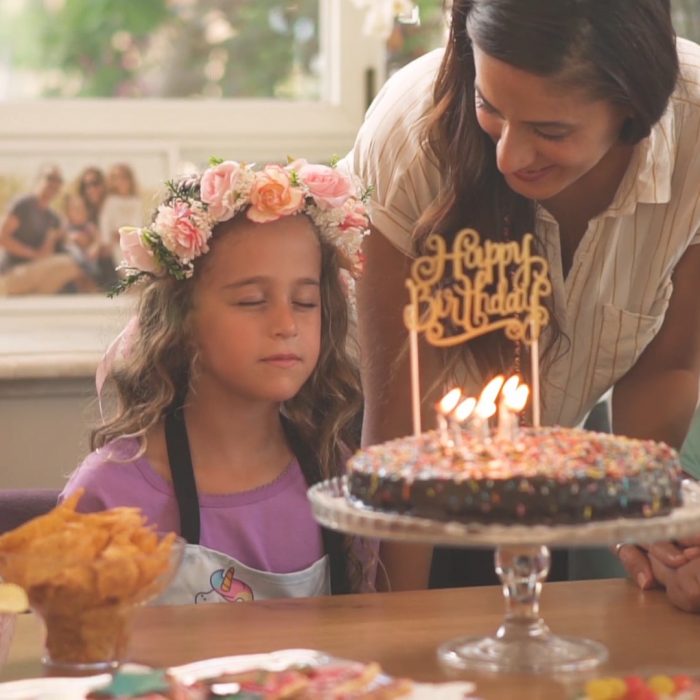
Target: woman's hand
point(638, 560)
point(691, 546)
point(677, 552)
point(682, 583)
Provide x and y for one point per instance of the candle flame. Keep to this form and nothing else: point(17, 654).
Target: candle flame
point(486, 406)
point(448, 402)
point(514, 394)
point(464, 410)
point(517, 399)
point(511, 384)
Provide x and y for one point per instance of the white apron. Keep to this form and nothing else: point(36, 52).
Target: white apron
point(207, 576)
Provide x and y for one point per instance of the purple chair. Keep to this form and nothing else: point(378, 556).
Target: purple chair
point(19, 505)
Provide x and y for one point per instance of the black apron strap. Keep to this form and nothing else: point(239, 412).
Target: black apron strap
point(333, 542)
point(180, 460)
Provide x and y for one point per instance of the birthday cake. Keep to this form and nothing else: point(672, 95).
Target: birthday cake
point(544, 475)
point(463, 471)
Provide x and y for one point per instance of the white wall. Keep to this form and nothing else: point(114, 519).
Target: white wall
point(49, 350)
point(44, 429)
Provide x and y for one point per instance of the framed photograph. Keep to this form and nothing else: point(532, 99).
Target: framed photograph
point(87, 191)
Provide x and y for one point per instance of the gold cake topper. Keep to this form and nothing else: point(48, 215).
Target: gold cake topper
point(521, 281)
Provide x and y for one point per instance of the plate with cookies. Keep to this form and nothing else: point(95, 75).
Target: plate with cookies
point(304, 674)
point(289, 674)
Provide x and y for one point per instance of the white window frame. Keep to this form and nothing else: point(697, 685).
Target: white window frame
point(192, 130)
point(246, 127)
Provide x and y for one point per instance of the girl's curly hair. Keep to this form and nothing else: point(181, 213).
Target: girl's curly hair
point(323, 415)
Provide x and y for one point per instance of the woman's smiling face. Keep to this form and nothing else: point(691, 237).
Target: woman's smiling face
point(546, 137)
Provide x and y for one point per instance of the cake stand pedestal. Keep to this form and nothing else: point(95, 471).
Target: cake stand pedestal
point(523, 642)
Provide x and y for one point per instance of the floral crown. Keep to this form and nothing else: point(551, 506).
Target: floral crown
point(194, 204)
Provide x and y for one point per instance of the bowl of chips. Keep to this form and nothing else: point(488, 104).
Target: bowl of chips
point(85, 575)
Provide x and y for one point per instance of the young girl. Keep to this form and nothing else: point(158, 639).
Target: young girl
point(236, 391)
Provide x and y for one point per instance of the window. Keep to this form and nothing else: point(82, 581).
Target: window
point(408, 40)
point(161, 49)
point(308, 99)
point(686, 18)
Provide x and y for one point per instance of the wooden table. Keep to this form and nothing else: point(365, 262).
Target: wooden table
point(402, 631)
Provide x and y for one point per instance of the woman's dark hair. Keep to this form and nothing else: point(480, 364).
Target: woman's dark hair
point(622, 51)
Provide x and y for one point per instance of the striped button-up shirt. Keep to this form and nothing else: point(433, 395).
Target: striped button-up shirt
point(613, 300)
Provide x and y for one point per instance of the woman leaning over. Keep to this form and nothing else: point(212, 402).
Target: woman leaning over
point(577, 120)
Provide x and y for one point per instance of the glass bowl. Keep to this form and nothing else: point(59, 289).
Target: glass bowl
point(88, 615)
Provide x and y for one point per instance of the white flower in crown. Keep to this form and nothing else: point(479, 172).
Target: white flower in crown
point(184, 221)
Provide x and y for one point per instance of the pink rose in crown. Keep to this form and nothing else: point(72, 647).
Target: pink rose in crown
point(328, 186)
point(355, 215)
point(182, 233)
point(273, 195)
point(218, 189)
point(136, 253)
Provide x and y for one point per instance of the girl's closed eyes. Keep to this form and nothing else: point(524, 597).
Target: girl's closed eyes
point(307, 298)
point(262, 302)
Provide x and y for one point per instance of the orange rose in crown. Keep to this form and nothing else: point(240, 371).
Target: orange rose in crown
point(273, 195)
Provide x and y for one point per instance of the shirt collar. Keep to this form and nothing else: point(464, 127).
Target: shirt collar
point(648, 177)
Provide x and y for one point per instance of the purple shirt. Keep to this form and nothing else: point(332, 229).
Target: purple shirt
point(269, 528)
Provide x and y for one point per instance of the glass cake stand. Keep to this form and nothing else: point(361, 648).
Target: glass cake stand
point(523, 642)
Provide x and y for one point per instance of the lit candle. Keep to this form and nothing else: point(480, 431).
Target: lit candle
point(461, 414)
point(513, 399)
point(486, 406)
point(415, 374)
point(443, 410)
point(535, 371)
